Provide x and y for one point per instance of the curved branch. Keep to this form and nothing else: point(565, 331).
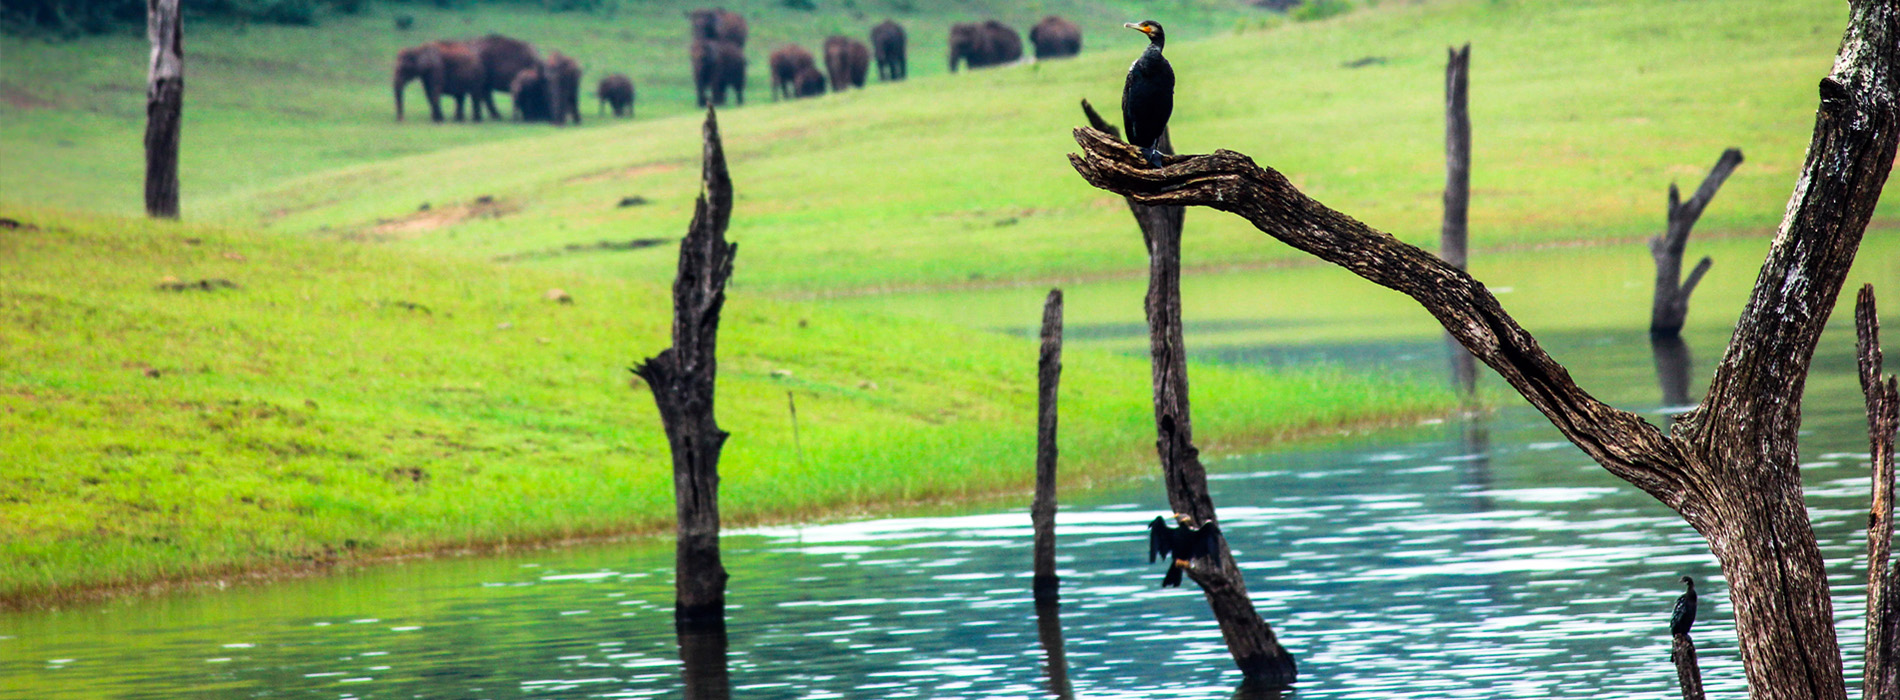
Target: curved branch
point(1619, 440)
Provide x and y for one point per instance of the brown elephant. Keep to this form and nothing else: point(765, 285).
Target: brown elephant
point(809, 82)
point(445, 68)
point(887, 45)
point(717, 66)
point(502, 59)
point(847, 60)
point(990, 43)
point(1055, 37)
point(530, 93)
point(616, 91)
point(564, 87)
point(718, 24)
point(787, 62)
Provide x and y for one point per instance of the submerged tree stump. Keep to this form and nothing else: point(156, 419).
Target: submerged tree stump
point(1688, 671)
point(1042, 513)
point(1249, 639)
point(1453, 232)
point(1881, 675)
point(682, 377)
point(1669, 308)
point(164, 106)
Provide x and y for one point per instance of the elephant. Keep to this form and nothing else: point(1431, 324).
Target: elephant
point(531, 96)
point(445, 68)
point(1055, 37)
point(564, 87)
point(809, 82)
point(717, 65)
point(502, 59)
point(616, 91)
point(990, 43)
point(718, 24)
point(846, 59)
point(787, 62)
point(887, 43)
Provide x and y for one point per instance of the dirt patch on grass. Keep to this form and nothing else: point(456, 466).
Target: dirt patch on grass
point(18, 98)
point(626, 173)
point(430, 218)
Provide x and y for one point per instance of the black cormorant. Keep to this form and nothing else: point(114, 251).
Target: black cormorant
point(1180, 544)
point(1148, 96)
point(1684, 616)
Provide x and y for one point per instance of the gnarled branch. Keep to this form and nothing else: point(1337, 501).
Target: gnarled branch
point(1881, 677)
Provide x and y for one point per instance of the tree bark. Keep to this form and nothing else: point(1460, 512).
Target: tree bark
point(1728, 466)
point(1451, 233)
point(1042, 513)
point(682, 378)
point(1673, 367)
point(1881, 677)
point(1249, 639)
point(1670, 306)
point(1688, 671)
point(164, 106)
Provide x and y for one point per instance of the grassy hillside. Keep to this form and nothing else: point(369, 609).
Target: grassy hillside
point(1583, 113)
point(342, 401)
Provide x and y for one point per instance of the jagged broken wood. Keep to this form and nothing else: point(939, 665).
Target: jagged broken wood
point(1042, 512)
point(1881, 677)
point(164, 106)
point(1669, 308)
point(1688, 671)
point(682, 378)
point(1729, 466)
point(1256, 651)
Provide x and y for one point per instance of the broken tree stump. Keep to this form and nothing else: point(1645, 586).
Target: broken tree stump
point(1688, 671)
point(682, 377)
point(1670, 306)
point(1249, 639)
point(1881, 676)
point(1453, 233)
point(1042, 513)
point(164, 105)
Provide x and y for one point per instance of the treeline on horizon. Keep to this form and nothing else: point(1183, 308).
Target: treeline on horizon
point(75, 18)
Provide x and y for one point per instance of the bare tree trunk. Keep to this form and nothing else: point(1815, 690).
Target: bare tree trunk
point(1881, 677)
point(1042, 514)
point(1670, 307)
point(164, 106)
point(1688, 672)
point(1729, 466)
point(1673, 367)
point(682, 380)
point(1453, 234)
point(1249, 639)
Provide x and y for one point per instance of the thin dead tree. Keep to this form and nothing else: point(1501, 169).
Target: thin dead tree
point(1453, 232)
point(1688, 671)
point(1042, 512)
point(1728, 466)
point(164, 105)
point(1670, 307)
point(1882, 677)
point(1249, 639)
point(682, 380)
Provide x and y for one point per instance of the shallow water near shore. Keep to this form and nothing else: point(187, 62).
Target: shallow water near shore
point(1473, 557)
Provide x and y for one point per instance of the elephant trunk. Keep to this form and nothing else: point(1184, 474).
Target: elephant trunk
point(400, 81)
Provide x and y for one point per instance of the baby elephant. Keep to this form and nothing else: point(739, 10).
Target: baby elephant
point(617, 91)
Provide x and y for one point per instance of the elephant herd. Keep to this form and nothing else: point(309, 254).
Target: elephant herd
point(548, 89)
point(543, 90)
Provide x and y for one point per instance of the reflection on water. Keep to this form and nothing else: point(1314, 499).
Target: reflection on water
point(1482, 558)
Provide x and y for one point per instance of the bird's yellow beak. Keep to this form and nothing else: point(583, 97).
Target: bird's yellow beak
point(1137, 27)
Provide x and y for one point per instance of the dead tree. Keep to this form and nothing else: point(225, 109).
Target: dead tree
point(1882, 678)
point(164, 105)
point(1728, 466)
point(1453, 233)
point(1249, 639)
point(1671, 305)
point(1688, 671)
point(1042, 513)
point(682, 380)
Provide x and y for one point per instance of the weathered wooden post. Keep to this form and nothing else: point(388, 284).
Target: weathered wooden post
point(1688, 672)
point(682, 380)
point(1670, 307)
point(1042, 513)
point(1881, 676)
point(1453, 232)
point(1249, 639)
point(164, 104)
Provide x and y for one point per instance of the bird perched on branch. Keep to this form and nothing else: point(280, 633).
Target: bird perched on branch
point(1148, 96)
point(1180, 544)
point(1684, 616)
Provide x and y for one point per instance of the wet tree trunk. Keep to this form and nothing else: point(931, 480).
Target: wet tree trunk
point(1728, 467)
point(1881, 676)
point(1042, 513)
point(1453, 238)
point(1688, 672)
point(682, 380)
point(164, 107)
point(703, 663)
point(1251, 642)
point(1670, 307)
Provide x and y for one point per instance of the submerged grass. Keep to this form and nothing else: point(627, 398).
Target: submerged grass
point(343, 402)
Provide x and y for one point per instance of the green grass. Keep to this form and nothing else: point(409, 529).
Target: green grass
point(348, 401)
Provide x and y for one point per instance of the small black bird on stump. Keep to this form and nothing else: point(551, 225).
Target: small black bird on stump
point(1684, 616)
point(1181, 544)
point(1148, 96)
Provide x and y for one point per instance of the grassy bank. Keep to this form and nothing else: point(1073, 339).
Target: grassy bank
point(343, 401)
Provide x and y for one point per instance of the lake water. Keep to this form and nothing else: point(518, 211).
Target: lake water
point(1481, 557)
